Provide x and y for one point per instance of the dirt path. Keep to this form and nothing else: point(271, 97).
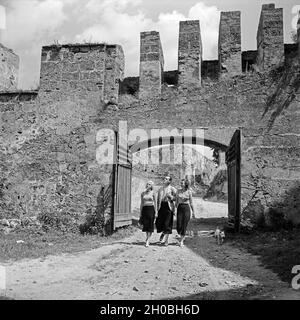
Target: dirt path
point(128, 270)
point(208, 209)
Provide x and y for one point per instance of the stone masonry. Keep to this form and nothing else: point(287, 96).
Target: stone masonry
point(151, 65)
point(50, 141)
point(270, 42)
point(230, 48)
point(94, 67)
point(189, 54)
point(9, 69)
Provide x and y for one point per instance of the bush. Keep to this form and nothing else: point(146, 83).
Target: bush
point(254, 211)
point(275, 220)
point(94, 224)
point(56, 220)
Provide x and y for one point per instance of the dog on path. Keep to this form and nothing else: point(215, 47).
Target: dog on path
point(219, 235)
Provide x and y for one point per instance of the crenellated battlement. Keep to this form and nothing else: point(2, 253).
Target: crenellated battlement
point(99, 68)
point(232, 61)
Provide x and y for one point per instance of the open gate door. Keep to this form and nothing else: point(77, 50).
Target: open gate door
point(122, 186)
point(233, 161)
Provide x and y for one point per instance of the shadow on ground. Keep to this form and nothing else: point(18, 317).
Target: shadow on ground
point(232, 294)
point(276, 251)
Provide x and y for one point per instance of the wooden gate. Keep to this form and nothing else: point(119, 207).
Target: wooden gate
point(233, 161)
point(122, 186)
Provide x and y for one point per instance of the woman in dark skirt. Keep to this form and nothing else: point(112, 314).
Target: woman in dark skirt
point(164, 221)
point(148, 211)
point(166, 197)
point(184, 204)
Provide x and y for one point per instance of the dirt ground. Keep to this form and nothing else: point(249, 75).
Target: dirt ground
point(126, 269)
point(208, 209)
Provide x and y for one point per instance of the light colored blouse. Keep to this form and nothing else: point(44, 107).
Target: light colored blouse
point(148, 198)
point(184, 196)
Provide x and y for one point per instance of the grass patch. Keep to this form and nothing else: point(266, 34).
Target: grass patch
point(40, 244)
point(277, 250)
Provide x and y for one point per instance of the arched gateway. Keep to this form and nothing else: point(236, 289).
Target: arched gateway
point(123, 169)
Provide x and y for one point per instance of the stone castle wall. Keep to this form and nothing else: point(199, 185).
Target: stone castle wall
point(9, 69)
point(49, 139)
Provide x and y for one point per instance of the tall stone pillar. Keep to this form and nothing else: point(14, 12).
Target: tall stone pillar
point(270, 42)
point(189, 54)
point(151, 65)
point(230, 47)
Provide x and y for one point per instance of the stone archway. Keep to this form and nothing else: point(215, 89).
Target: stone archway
point(207, 140)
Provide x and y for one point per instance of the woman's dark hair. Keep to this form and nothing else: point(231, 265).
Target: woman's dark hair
point(186, 183)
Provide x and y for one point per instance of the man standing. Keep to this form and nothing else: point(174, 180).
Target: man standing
point(166, 198)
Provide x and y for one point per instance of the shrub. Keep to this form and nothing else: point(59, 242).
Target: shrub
point(57, 220)
point(275, 219)
point(94, 224)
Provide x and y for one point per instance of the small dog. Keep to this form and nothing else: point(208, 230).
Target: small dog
point(219, 235)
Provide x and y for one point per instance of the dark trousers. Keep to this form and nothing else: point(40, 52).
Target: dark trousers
point(183, 218)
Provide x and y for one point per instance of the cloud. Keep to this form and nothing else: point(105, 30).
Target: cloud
point(33, 23)
point(2, 17)
point(32, 20)
point(30, 24)
point(116, 25)
point(209, 20)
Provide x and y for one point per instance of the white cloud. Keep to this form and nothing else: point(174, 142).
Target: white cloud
point(2, 17)
point(97, 6)
point(209, 20)
point(30, 24)
point(33, 23)
point(32, 20)
point(116, 25)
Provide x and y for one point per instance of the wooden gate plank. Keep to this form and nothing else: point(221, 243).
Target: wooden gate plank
point(122, 199)
point(233, 161)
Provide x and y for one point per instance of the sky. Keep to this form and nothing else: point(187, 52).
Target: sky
point(27, 25)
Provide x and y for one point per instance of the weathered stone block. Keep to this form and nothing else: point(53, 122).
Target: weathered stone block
point(189, 54)
point(270, 42)
point(151, 65)
point(87, 65)
point(230, 55)
point(102, 64)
